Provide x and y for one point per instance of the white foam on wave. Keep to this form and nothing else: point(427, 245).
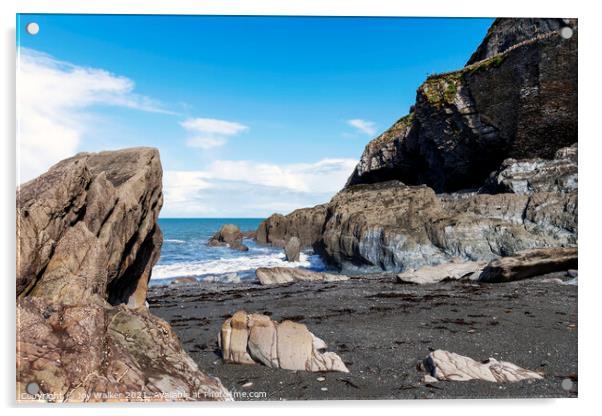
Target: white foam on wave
point(230, 265)
point(173, 240)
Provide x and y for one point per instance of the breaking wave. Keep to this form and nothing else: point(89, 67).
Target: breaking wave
point(228, 265)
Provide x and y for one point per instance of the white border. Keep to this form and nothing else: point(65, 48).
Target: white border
point(589, 173)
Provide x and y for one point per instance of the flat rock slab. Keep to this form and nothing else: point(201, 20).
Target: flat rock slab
point(441, 272)
point(281, 275)
point(449, 366)
point(529, 263)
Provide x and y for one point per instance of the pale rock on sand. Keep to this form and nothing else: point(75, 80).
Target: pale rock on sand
point(454, 270)
point(280, 275)
point(445, 365)
point(251, 338)
point(529, 263)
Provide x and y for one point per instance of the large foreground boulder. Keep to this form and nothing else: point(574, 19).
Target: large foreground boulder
point(98, 353)
point(87, 239)
point(88, 227)
point(281, 275)
point(254, 338)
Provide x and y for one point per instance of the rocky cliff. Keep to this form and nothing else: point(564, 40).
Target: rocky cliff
point(87, 239)
point(521, 103)
point(484, 165)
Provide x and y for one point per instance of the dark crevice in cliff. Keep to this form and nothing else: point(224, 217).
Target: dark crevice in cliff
point(120, 289)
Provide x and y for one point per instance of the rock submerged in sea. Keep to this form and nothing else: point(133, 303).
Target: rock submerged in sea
point(281, 275)
point(229, 235)
point(255, 338)
point(449, 366)
point(292, 249)
point(88, 238)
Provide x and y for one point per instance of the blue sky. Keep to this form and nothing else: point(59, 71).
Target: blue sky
point(251, 114)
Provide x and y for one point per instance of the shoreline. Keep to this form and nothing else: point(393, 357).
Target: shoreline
point(532, 323)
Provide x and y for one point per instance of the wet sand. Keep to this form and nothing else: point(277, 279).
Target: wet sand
point(382, 329)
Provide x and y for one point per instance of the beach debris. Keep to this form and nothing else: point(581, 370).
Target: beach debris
point(529, 263)
point(445, 365)
point(429, 379)
point(228, 278)
point(280, 275)
point(255, 338)
point(292, 249)
point(187, 280)
point(247, 385)
point(321, 379)
point(229, 235)
point(454, 270)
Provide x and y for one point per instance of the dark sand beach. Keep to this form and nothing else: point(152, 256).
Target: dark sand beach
point(382, 329)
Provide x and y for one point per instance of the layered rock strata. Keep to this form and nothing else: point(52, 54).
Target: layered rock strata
point(254, 338)
point(282, 275)
point(87, 239)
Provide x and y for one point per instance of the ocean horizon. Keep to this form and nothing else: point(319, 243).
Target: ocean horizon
point(185, 252)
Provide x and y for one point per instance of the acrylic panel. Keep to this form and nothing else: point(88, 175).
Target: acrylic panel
point(295, 208)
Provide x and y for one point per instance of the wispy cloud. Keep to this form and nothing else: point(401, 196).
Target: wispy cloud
point(211, 132)
point(247, 188)
point(365, 126)
point(53, 103)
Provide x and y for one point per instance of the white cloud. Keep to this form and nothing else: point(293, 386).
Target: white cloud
point(53, 100)
point(206, 143)
point(367, 127)
point(213, 126)
point(246, 188)
point(211, 132)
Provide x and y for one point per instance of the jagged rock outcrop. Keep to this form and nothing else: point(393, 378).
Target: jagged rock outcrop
point(454, 270)
point(520, 104)
point(507, 32)
point(449, 366)
point(98, 353)
point(529, 263)
point(305, 224)
point(391, 226)
point(281, 275)
point(254, 338)
point(484, 166)
point(292, 249)
point(536, 175)
point(87, 239)
point(87, 228)
point(229, 235)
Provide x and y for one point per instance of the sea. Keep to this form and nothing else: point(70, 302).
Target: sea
point(185, 253)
